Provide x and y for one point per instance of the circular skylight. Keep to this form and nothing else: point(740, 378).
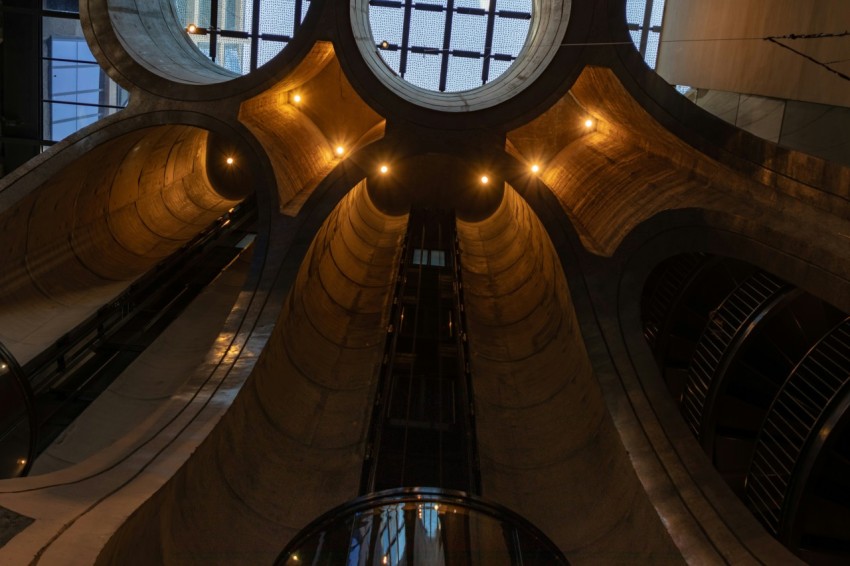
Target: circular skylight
point(449, 49)
point(235, 37)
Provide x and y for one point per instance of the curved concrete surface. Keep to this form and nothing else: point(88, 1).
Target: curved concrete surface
point(546, 443)
point(286, 448)
point(79, 239)
point(306, 406)
point(301, 137)
point(129, 410)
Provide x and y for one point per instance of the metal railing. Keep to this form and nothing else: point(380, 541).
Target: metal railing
point(793, 423)
point(727, 326)
point(666, 293)
point(420, 526)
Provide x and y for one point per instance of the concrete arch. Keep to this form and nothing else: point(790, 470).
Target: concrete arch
point(544, 433)
point(81, 235)
point(301, 136)
point(549, 22)
point(306, 404)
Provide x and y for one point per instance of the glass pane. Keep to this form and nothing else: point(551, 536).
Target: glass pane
point(234, 15)
point(634, 11)
point(62, 5)
point(267, 50)
point(657, 13)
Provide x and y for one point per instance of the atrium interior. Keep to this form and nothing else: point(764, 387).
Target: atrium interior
point(425, 282)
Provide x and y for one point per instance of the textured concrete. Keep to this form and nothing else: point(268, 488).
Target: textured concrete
point(81, 237)
point(235, 469)
point(546, 443)
point(305, 407)
point(301, 137)
point(133, 404)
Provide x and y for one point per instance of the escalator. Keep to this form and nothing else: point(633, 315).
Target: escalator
point(69, 375)
point(761, 373)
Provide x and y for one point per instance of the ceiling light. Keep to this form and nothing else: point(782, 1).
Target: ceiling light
point(384, 169)
point(588, 123)
point(485, 179)
point(296, 99)
point(230, 161)
point(340, 150)
point(535, 168)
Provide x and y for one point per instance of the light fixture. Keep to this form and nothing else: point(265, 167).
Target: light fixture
point(385, 44)
point(230, 161)
point(384, 169)
point(485, 179)
point(588, 123)
point(340, 150)
point(22, 461)
point(195, 30)
point(535, 168)
point(296, 98)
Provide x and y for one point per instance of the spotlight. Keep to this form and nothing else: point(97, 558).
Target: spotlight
point(195, 30)
point(384, 169)
point(340, 150)
point(535, 168)
point(385, 44)
point(485, 179)
point(296, 99)
point(588, 123)
point(230, 161)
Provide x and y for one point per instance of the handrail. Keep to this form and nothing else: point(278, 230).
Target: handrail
point(809, 396)
point(668, 291)
point(54, 361)
point(523, 543)
point(727, 328)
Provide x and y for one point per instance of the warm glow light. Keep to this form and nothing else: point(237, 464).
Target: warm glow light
point(384, 169)
point(296, 99)
point(385, 44)
point(340, 150)
point(230, 161)
point(485, 179)
point(535, 168)
point(588, 123)
point(192, 28)
point(22, 461)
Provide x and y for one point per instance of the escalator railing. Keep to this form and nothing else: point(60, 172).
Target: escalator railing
point(420, 526)
point(794, 426)
point(38, 399)
point(728, 324)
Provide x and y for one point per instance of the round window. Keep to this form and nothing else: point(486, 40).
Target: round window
point(449, 45)
point(241, 35)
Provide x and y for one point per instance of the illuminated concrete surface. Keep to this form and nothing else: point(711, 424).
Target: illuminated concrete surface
point(574, 430)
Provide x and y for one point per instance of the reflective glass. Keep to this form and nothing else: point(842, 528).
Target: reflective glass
point(229, 43)
point(635, 15)
point(14, 423)
point(76, 91)
point(414, 533)
point(62, 5)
